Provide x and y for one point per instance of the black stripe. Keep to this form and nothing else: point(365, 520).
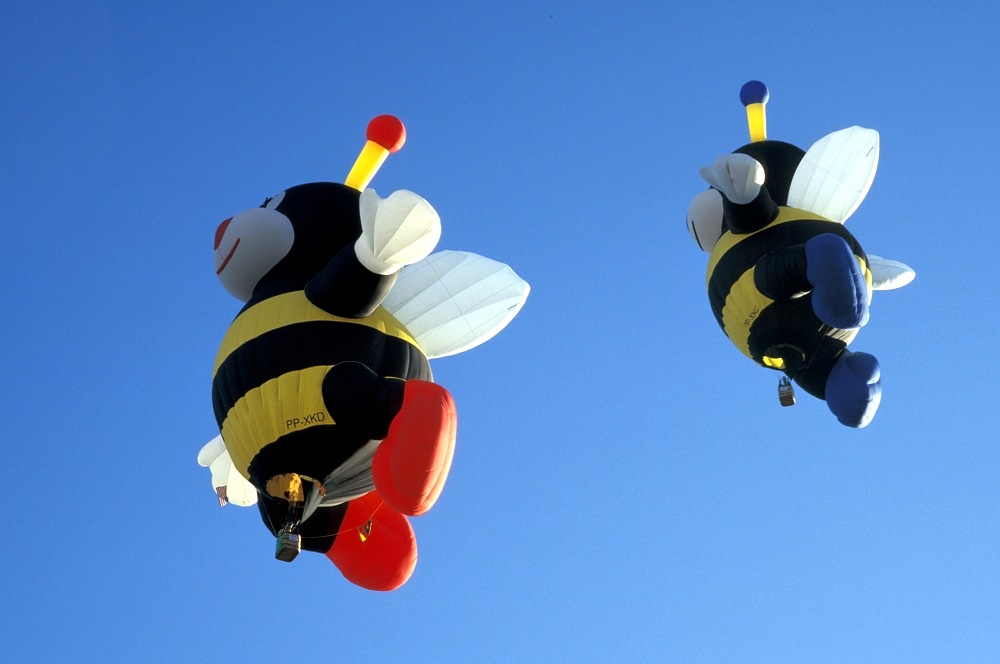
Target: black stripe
point(314, 343)
point(788, 323)
point(745, 254)
point(314, 452)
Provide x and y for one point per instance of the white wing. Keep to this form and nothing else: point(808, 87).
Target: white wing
point(455, 300)
point(888, 275)
point(835, 174)
point(226, 480)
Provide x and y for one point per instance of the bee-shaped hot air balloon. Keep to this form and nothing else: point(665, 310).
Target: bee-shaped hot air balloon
point(322, 389)
point(788, 283)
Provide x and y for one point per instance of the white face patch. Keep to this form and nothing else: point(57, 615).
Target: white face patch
point(248, 245)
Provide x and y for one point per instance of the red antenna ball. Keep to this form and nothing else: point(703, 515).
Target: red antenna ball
point(387, 131)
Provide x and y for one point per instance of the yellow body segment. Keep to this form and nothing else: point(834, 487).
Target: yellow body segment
point(293, 400)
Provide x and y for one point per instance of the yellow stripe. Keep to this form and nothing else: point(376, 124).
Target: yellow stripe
point(868, 276)
point(293, 307)
point(291, 402)
point(743, 305)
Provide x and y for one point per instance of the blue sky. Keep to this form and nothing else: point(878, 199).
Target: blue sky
point(626, 486)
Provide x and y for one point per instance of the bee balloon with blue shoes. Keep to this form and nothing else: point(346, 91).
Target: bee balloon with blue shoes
point(787, 282)
point(329, 418)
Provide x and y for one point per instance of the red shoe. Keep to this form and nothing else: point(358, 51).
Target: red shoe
point(375, 548)
point(411, 465)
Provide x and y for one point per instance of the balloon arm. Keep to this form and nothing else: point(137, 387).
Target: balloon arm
point(401, 229)
point(747, 204)
point(752, 216)
point(396, 231)
point(738, 176)
point(346, 288)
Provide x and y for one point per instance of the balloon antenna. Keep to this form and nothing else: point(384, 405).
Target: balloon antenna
point(385, 135)
point(754, 96)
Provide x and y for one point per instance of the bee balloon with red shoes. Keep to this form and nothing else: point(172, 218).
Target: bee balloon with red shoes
point(322, 389)
point(788, 283)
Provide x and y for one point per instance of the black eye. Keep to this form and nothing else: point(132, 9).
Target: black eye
point(272, 202)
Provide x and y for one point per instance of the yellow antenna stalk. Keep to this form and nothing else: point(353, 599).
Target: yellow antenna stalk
point(754, 96)
point(385, 135)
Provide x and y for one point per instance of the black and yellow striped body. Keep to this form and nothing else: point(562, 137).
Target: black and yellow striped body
point(782, 333)
point(267, 385)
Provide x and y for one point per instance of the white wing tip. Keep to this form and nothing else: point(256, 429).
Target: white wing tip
point(455, 300)
point(889, 274)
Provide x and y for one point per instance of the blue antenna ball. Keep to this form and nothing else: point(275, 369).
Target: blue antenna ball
point(753, 92)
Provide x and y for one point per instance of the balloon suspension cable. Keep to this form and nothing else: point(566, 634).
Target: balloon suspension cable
point(385, 135)
point(823, 329)
point(364, 530)
point(786, 393)
point(288, 544)
point(786, 390)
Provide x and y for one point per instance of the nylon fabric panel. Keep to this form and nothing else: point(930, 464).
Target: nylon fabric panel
point(385, 557)
point(743, 305)
point(866, 270)
point(788, 329)
point(301, 345)
point(291, 308)
point(836, 173)
point(752, 321)
point(734, 254)
point(291, 402)
point(321, 451)
point(412, 463)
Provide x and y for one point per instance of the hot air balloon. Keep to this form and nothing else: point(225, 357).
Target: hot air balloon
point(787, 282)
point(322, 389)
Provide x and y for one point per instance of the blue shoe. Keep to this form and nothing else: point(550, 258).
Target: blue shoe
point(840, 295)
point(854, 389)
